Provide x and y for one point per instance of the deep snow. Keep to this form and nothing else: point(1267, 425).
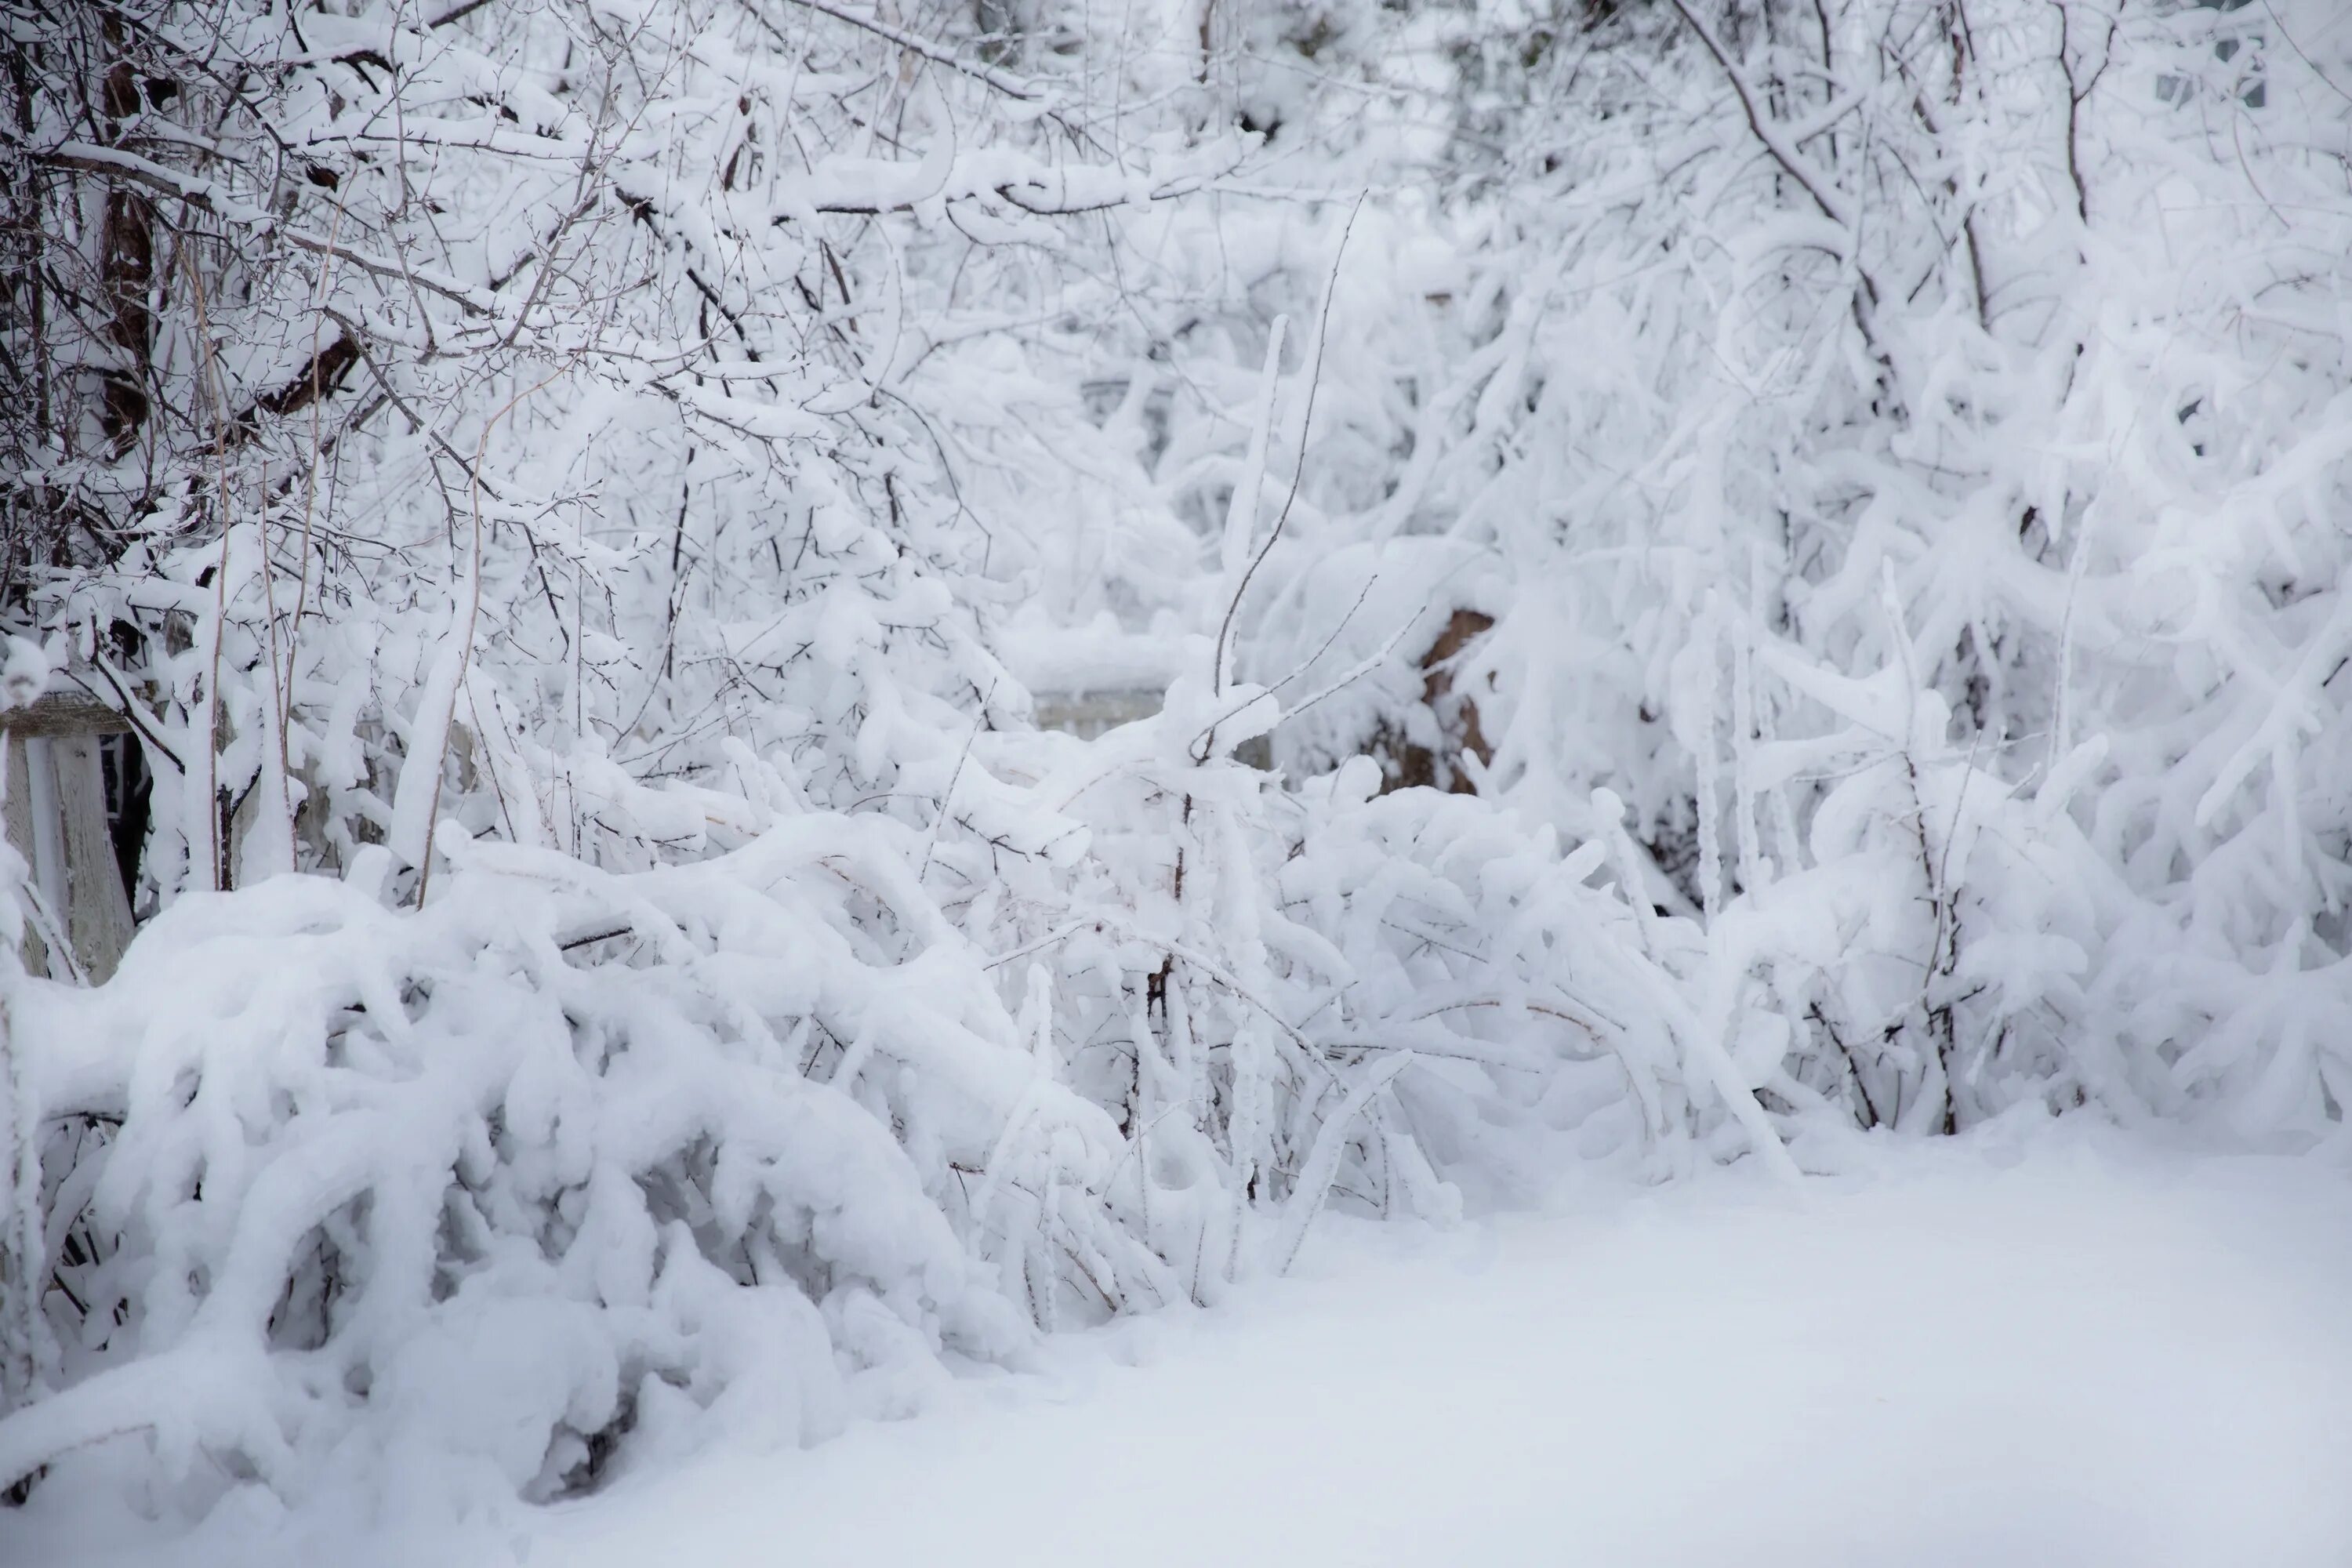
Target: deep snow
point(2067, 1348)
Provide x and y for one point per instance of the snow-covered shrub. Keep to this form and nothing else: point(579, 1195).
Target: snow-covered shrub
point(505, 1179)
point(1903, 446)
point(573, 1166)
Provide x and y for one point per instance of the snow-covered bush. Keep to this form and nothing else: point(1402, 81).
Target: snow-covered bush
point(572, 1165)
point(1903, 446)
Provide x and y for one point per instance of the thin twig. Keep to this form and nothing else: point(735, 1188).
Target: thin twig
point(1306, 429)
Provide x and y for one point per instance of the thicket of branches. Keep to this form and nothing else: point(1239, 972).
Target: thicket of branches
point(582, 484)
point(1903, 446)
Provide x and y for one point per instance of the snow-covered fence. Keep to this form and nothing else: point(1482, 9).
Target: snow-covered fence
point(1091, 715)
point(1434, 741)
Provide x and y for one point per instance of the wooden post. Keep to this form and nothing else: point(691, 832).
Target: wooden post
point(56, 813)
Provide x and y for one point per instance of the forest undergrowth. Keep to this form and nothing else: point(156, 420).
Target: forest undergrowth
point(577, 500)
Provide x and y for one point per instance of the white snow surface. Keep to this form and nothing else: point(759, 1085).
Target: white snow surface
point(2054, 1346)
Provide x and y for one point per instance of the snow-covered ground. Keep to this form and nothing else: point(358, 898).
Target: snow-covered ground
point(2062, 1349)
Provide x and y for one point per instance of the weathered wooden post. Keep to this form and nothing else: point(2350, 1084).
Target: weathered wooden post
point(57, 820)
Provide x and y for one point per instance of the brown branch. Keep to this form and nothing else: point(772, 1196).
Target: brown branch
point(456, 13)
point(207, 196)
point(1767, 129)
point(1011, 86)
point(319, 379)
point(1816, 184)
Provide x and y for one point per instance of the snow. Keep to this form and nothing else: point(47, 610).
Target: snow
point(2059, 1347)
